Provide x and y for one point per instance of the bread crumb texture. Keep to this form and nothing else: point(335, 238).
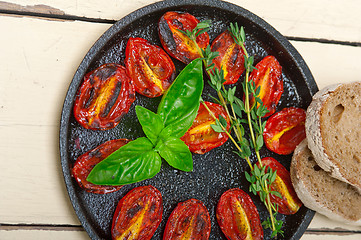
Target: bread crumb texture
point(340, 123)
point(321, 192)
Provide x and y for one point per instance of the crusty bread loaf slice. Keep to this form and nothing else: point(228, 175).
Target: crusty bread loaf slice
point(321, 192)
point(333, 130)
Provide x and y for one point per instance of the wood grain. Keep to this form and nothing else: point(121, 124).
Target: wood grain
point(38, 8)
point(337, 20)
point(40, 234)
point(39, 65)
point(38, 60)
point(36, 74)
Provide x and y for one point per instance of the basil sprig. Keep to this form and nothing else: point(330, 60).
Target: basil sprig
point(141, 159)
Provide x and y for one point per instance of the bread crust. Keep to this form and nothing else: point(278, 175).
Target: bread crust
point(304, 187)
point(315, 135)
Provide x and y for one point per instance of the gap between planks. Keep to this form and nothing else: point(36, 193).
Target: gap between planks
point(50, 227)
point(30, 227)
point(54, 17)
point(43, 12)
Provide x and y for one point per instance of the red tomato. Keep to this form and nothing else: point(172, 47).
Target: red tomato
point(86, 162)
point(285, 130)
point(200, 137)
point(231, 57)
point(149, 66)
point(189, 220)
point(138, 214)
point(238, 216)
point(105, 95)
point(289, 203)
point(269, 77)
point(177, 44)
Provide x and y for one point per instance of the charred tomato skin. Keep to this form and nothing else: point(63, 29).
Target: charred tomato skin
point(104, 96)
point(86, 162)
point(138, 214)
point(177, 44)
point(231, 57)
point(150, 68)
point(284, 130)
point(268, 75)
point(289, 203)
point(237, 216)
point(189, 220)
point(200, 137)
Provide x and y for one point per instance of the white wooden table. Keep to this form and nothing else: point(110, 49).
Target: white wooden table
point(42, 43)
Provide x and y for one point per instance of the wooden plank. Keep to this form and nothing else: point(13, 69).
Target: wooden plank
point(322, 223)
point(331, 63)
point(338, 20)
point(323, 236)
point(42, 235)
point(35, 76)
point(38, 8)
point(81, 235)
point(41, 58)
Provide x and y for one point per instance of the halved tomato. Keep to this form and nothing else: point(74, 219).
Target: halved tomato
point(86, 162)
point(105, 95)
point(189, 220)
point(176, 43)
point(200, 137)
point(238, 216)
point(138, 214)
point(289, 203)
point(230, 59)
point(269, 77)
point(149, 66)
point(285, 130)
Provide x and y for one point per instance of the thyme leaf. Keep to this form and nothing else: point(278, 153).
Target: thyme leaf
point(242, 112)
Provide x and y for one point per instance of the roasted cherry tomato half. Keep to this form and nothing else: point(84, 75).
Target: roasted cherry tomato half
point(189, 220)
point(138, 214)
point(200, 137)
point(269, 77)
point(105, 95)
point(150, 68)
point(230, 59)
point(289, 203)
point(285, 130)
point(176, 43)
point(238, 216)
point(86, 162)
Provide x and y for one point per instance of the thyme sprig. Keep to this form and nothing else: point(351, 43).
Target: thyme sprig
point(242, 112)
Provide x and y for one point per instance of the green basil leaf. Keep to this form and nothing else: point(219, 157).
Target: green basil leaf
point(134, 162)
point(179, 105)
point(151, 122)
point(176, 153)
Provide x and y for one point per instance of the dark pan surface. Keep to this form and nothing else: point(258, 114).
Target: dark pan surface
point(214, 172)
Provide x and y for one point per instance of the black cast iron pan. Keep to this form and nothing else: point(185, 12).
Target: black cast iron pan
point(214, 172)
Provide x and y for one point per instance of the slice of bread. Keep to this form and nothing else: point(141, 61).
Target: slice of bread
point(333, 130)
point(321, 192)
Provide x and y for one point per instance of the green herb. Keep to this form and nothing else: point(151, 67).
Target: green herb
point(201, 28)
point(179, 105)
point(151, 123)
point(141, 159)
point(260, 179)
point(136, 161)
